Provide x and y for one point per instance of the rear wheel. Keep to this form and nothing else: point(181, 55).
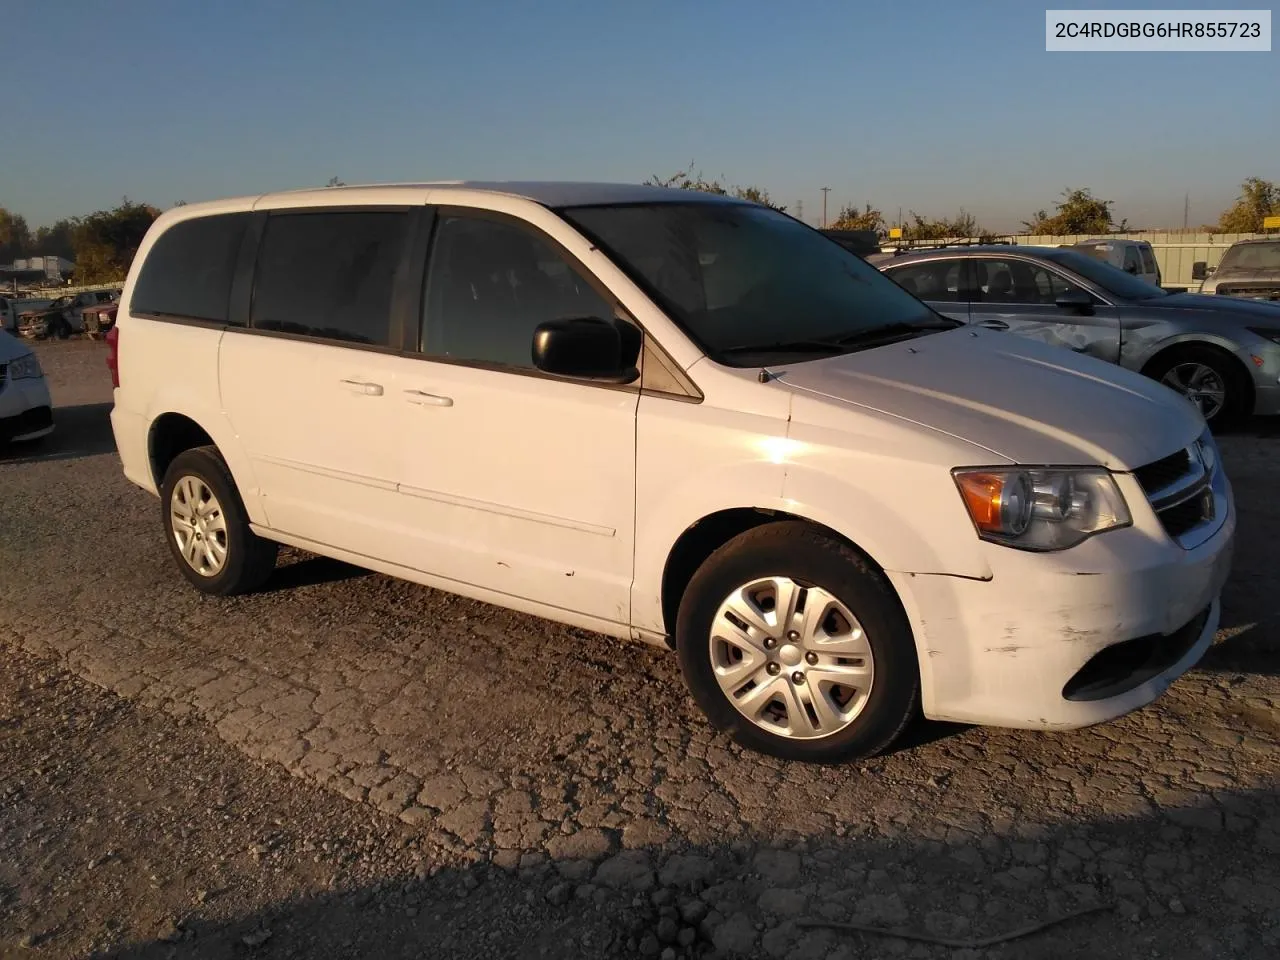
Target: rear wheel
point(207, 527)
point(1210, 378)
point(796, 646)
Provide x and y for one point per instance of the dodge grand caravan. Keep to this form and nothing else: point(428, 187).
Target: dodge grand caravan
point(679, 418)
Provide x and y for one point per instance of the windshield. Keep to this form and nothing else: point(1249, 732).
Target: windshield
point(743, 279)
point(1109, 278)
point(1252, 256)
point(61, 302)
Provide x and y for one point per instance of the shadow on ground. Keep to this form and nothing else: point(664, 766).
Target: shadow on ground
point(79, 431)
point(1179, 882)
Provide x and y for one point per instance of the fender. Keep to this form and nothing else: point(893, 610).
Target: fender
point(1148, 351)
point(193, 400)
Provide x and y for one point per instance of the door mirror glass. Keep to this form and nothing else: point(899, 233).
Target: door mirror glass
point(587, 347)
point(1075, 299)
point(1199, 270)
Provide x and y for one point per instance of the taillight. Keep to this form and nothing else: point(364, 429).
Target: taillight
point(113, 355)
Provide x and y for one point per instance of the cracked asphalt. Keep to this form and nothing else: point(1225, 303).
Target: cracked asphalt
point(507, 766)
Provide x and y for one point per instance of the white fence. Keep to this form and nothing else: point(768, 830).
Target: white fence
point(1175, 251)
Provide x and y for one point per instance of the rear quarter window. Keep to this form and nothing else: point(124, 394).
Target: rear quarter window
point(188, 271)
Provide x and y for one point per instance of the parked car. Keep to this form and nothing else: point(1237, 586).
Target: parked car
point(1135, 257)
point(96, 321)
point(26, 412)
point(680, 418)
point(1224, 355)
point(13, 307)
point(62, 317)
point(1249, 268)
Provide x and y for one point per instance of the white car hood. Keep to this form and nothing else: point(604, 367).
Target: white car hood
point(1025, 401)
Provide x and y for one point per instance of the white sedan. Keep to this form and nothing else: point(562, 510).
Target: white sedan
point(26, 412)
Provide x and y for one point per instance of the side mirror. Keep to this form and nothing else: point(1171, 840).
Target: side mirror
point(1079, 300)
point(1132, 268)
point(1199, 270)
point(588, 348)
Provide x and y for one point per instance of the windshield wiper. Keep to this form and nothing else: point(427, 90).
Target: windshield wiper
point(893, 331)
point(789, 346)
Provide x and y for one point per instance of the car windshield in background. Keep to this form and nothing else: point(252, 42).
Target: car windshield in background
point(747, 282)
point(1252, 256)
point(1112, 279)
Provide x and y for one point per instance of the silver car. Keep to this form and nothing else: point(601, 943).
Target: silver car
point(1222, 353)
point(1249, 268)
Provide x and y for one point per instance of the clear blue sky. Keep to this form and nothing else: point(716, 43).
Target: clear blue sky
point(923, 105)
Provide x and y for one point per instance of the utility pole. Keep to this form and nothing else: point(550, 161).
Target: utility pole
point(800, 210)
point(825, 191)
point(1186, 209)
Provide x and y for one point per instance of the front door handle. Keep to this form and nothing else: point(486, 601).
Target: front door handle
point(993, 324)
point(364, 387)
point(422, 398)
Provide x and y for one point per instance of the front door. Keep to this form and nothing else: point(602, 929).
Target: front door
point(511, 480)
point(1029, 299)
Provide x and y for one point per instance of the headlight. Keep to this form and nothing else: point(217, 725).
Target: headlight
point(25, 368)
point(1041, 509)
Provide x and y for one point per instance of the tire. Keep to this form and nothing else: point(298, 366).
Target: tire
point(880, 703)
point(1176, 370)
point(229, 558)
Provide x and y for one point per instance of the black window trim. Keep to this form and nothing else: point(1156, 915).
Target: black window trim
point(647, 340)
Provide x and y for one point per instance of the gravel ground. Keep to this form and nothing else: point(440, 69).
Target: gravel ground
point(350, 765)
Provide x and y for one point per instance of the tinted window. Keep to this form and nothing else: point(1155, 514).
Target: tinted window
point(329, 275)
point(189, 269)
point(1018, 281)
point(937, 280)
point(1148, 260)
point(1131, 260)
point(742, 279)
point(490, 284)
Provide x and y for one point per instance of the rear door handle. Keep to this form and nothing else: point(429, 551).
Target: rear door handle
point(424, 399)
point(993, 324)
point(364, 387)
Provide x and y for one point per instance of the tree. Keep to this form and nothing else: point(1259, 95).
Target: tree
point(851, 218)
point(1079, 211)
point(963, 224)
point(15, 237)
point(687, 180)
point(106, 242)
point(57, 240)
point(1258, 198)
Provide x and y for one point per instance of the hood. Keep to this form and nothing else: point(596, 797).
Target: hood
point(11, 348)
point(1025, 401)
point(1234, 307)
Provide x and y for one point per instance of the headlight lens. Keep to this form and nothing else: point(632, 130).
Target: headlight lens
point(1041, 509)
point(25, 368)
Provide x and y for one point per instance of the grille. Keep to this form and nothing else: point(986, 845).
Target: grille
point(1180, 490)
point(1160, 474)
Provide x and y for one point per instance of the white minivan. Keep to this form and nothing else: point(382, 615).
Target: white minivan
point(680, 418)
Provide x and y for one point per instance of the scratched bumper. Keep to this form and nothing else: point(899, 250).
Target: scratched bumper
point(1000, 652)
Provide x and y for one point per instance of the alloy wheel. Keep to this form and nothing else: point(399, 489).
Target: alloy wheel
point(1200, 384)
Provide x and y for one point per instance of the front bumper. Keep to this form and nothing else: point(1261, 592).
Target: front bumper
point(1069, 639)
point(26, 411)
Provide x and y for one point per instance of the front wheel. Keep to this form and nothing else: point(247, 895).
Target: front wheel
point(207, 528)
point(796, 646)
point(1209, 378)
